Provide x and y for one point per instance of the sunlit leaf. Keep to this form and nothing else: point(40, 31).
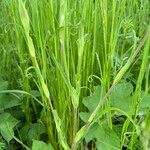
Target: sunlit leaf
point(39, 145)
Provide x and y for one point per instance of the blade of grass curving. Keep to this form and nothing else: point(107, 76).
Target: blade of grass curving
point(22, 92)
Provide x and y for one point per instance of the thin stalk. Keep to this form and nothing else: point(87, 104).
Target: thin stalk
point(25, 22)
point(75, 123)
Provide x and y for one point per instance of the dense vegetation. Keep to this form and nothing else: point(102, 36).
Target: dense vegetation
point(75, 74)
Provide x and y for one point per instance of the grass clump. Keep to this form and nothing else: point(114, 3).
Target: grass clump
point(74, 74)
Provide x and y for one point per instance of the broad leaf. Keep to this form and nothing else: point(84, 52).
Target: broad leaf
point(106, 139)
point(121, 97)
point(33, 131)
point(92, 101)
point(8, 101)
point(84, 116)
point(7, 123)
point(39, 145)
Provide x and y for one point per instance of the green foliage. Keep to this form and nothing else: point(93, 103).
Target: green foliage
point(2, 146)
point(144, 104)
point(121, 100)
point(3, 85)
point(38, 145)
point(106, 138)
point(8, 101)
point(92, 101)
point(121, 97)
point(33, 131)
point(145, 126)
point(74, 74)
point(7, 124)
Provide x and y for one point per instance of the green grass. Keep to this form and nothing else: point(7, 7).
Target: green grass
point(75, 74)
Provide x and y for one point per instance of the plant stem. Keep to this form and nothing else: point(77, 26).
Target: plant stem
point(75, 123)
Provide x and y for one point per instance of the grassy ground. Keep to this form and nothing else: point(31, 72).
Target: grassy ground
point(75, 74)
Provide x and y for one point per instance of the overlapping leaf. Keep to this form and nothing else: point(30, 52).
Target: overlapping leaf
point(120, 98)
